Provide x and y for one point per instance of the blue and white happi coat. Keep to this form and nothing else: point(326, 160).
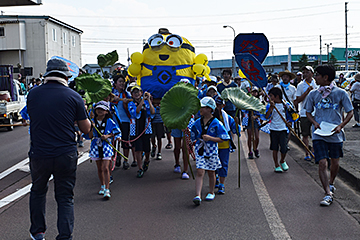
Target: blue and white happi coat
point(245, 120)
point(210, 159)
point(134, 115)
point(96, 143)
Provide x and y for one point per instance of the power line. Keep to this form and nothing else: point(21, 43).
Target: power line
point(205, 24)
point(191, 16)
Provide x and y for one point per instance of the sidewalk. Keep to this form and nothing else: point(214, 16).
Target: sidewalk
point(349, 164)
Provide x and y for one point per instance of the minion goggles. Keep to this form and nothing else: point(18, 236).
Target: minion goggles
point(157, 41)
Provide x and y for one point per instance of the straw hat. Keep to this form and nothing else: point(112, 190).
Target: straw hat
point(287, 72)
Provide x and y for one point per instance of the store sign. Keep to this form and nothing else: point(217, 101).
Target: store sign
point(352, 53)
point(313, 58)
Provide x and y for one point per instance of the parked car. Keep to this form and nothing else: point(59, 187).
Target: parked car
point(11, 102)
point(347, 74)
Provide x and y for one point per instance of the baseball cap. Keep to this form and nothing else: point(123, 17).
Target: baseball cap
point(57, 66)
point(130, 86)
point(208, 102)
point(103, 105)
point(135, 87)
point(299, 73)
point(213, 79)
point(255, 88)
point(308, 68)
point(212, 87)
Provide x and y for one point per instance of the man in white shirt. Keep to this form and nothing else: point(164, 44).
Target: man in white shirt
point(289, 91)
point(302, 91)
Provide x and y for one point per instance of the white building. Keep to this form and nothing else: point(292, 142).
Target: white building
point(32, 40)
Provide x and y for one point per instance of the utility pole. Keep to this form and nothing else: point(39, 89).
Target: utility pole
point(320, 51)
point(327, 46)
point(346, 40)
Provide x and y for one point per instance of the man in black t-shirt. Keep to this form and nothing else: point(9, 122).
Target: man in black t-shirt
point(53, 108)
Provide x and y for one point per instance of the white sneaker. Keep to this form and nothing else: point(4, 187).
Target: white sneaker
point(210, 197)
point(107, 194)
point(327, 200)
point(102, 190)
point(332, 188)
point(185, 175)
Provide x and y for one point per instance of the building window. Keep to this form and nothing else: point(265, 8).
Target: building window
point(2, 31)
point(54, 34)
point(64, 38)
point(73, 41)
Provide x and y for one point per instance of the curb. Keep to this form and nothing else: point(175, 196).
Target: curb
point(346, 172)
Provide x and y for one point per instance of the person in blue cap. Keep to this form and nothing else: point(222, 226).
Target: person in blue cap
point(207, 132)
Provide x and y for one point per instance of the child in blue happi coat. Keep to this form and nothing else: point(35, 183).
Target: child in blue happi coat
point(141, 111)
point(207, 131)
point(226, 147)
point(100, 150)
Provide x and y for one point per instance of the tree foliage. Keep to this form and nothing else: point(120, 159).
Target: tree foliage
point(333, 60)
point(303, 61)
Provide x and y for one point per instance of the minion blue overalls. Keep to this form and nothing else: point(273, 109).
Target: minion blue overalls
point(162, 75)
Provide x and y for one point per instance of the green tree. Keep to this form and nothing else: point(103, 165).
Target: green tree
point(333, 60)
point(303, 61)
point(315, 64)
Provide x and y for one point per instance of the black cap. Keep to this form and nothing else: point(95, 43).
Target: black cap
point(164, 31)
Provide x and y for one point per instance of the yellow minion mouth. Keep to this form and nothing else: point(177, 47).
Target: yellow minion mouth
point(163, 57)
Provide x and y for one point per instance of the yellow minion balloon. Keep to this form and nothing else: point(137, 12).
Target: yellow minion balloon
point(166, 59)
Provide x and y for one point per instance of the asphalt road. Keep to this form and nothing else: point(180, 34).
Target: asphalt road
point(159, 206)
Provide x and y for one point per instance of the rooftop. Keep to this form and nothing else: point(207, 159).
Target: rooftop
point(49, 18)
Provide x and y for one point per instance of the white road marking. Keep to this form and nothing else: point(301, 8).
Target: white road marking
point(25, 190)
point(14, 168)
point(272, 216)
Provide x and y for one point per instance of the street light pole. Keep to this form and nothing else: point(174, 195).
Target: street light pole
point(327, 47)
point(233, 57)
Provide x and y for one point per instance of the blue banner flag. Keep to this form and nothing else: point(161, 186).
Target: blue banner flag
point(252, 69)
point(73, 68)
point(253, 43)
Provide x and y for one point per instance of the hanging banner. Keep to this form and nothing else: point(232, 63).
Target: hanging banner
point(252, 69)
point(73, 68)
point(252, 43)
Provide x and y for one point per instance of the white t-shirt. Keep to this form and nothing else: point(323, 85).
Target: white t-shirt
point(355, 89)
point(277, 124)
point(290, 93)
point(244, 84)
point(301, 88)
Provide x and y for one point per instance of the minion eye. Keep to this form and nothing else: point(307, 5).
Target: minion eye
point(156, 40)
point(174, 41)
